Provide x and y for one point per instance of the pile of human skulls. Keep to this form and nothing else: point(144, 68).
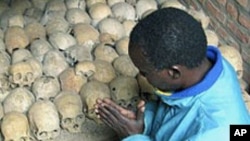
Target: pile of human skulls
point(58, 56)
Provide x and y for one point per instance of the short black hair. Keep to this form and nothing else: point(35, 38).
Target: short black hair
point(170, 36)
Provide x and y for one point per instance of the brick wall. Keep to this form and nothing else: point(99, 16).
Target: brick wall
point(230, 19)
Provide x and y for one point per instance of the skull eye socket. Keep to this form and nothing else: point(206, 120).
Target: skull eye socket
point(76, 126)
point(52, 99)
point(43, 134)
point(29, 76)
point(72, 32)
point(18, 76)
point(55, 131)
point(85, 75)
point(40, 98)
point(121, 102)
point(67, 120)
point(79, 117)
point(22, 139)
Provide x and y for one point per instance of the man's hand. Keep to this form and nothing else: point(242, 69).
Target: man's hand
point(123, 121)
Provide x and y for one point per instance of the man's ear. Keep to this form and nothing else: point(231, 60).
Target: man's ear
point(174, 72)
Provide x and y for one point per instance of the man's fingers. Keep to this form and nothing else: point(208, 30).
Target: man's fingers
point(140, 113)
point(123, 111)
point(128, 114)
point(105, 113)
point(141, 104)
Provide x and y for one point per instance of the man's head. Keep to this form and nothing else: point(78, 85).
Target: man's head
point(165, 44)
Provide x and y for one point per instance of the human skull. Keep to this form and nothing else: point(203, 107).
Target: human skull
point(98, 12)
point(20, 55)
point(89, 93)
point(35, 30)
point(50, 15)
point(78, 53)
point(85, 34)
point(69, 106)
point(54, 63)
point(128, 26)
point(16, 20)
point(233, 56)
point(85, 69)
point(144, 5)
point(70, 81)
point(19, 6)
point(123, 11)
point(57, 25)
point(124, 65)
point(15, 37)
point(77, 15)
point(19, 99)
point(105, 52)
point(112, 26)
point(39, 48)
point(125, 91)
point(15, 127)
point(121, 46)
point(61, 40)
point(24, 73)
point(33, 14)
point(104, 71)
point(46, 88)
point(44, 120)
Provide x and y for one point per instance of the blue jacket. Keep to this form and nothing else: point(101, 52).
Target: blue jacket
point(202, 112)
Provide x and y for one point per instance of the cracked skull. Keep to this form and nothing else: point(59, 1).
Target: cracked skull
point(69, 106)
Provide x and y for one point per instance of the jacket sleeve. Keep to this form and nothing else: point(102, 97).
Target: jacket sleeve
point(149, 114)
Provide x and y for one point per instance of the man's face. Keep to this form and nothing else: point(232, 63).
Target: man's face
point(158, 78)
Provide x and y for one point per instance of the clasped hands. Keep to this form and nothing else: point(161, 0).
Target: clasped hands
point(123, 121)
